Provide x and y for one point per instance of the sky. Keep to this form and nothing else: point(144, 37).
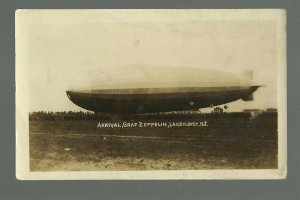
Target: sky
point(64, 45)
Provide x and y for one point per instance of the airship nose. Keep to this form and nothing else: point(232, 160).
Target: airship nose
point(68, 94)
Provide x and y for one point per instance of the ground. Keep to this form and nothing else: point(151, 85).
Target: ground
point(229, 141)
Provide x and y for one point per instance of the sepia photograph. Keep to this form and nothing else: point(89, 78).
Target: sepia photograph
point(151, 94)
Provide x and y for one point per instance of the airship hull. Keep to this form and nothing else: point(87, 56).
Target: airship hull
point(149, 100)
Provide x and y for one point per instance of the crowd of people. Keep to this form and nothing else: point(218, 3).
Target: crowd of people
point(80, 115)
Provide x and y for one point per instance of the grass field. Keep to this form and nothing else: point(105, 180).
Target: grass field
point(229, 141)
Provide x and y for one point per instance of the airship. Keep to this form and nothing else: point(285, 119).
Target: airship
point(151, 90)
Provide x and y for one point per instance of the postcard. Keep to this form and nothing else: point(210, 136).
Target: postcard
point(151, 94)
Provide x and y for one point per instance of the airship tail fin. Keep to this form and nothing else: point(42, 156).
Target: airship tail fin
point(248, 74)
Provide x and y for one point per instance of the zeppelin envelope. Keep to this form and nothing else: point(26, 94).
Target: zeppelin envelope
point(151, 94)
